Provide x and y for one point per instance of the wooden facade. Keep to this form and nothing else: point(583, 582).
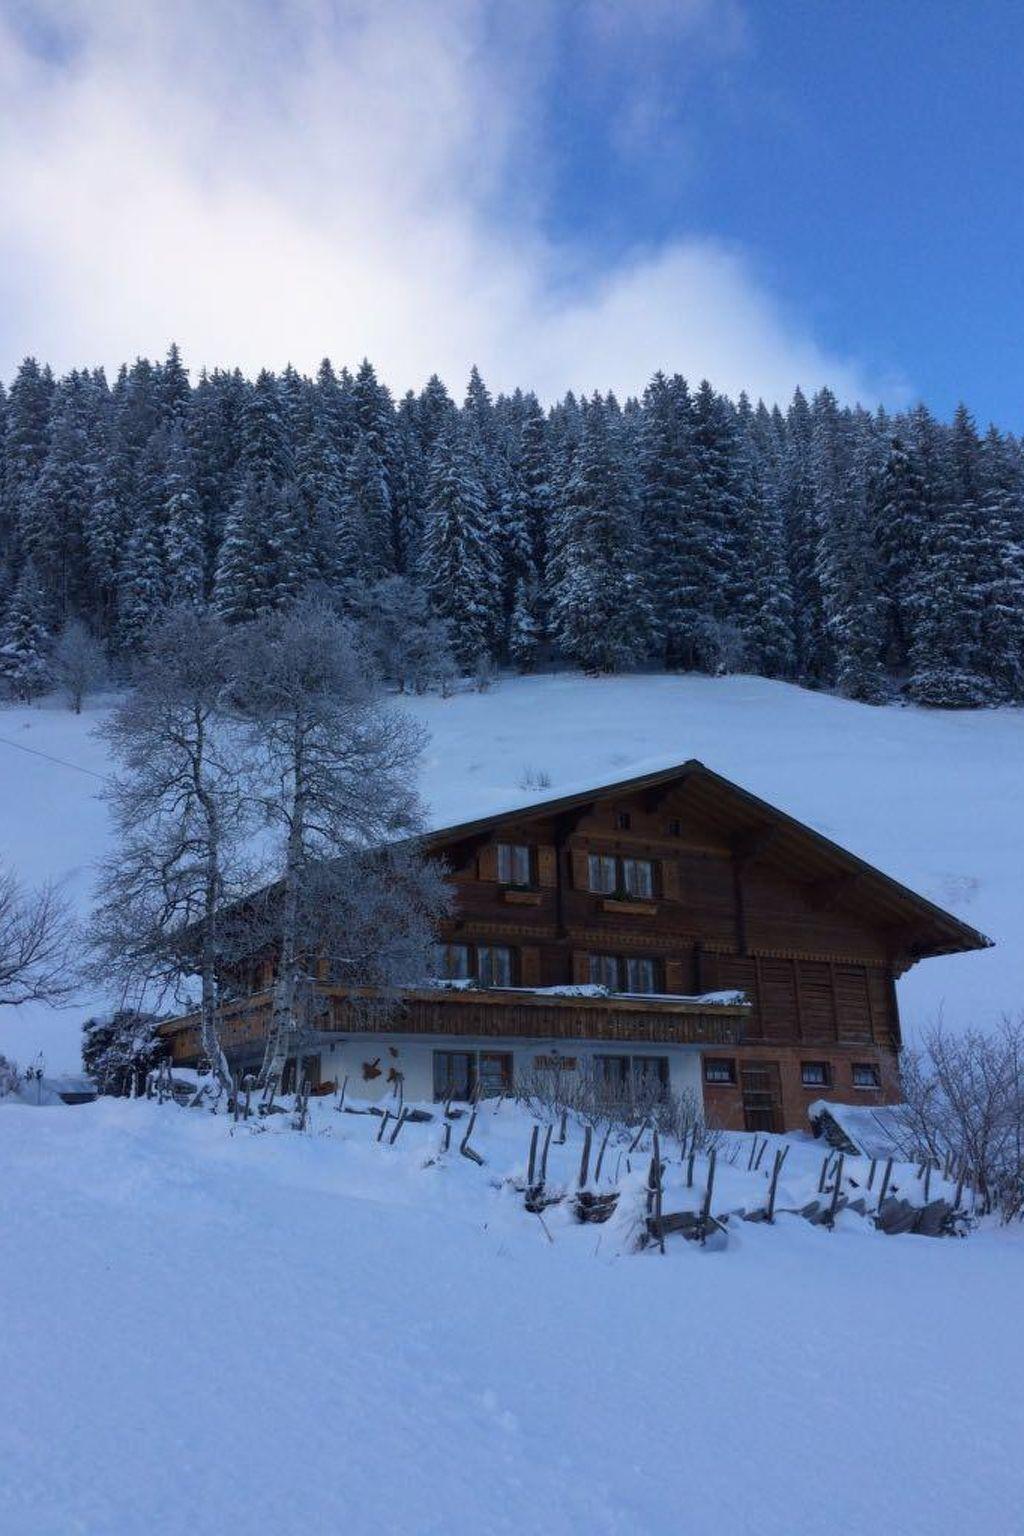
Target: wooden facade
point(671, 889)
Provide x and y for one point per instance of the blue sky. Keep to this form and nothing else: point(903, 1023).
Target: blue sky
point(568, 192)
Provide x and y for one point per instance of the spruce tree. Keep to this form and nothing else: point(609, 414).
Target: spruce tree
point(597, 570)
point(25, 639)
point(458, 565)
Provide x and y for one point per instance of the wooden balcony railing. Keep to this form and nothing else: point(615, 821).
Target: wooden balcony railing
point(493, 1013)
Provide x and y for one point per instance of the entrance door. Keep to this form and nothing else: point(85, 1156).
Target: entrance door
point(762, 1095)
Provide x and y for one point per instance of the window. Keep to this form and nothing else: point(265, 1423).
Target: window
point(650, 1074)
point(490, 964)
point(494, 1074)
point(453, 1075)
point(638, 877)
point(641, 976)
point(494, 965)
point(623, 820)
point(453, 961)
point(457, 1074)
point(815, 1074)
point(604, 972)
point(624, 1077)
point(609, 876)
point(514, 864)
point(612, 1073)
point(866, 1075)
point(619, 975)
point(719, 1069)
point(675, 828)
point(603, 871)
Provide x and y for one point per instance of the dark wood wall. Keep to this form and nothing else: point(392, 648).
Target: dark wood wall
point(724, 915)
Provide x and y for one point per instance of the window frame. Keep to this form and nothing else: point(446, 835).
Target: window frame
point(825, 1081)
point(473, 951)
point(614, 866)
point(516, 853)
point(871, 1067)
point(727, 1079)
point(629, 961)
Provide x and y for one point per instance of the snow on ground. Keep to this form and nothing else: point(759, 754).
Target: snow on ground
point(208, 1331)
point(932, 797)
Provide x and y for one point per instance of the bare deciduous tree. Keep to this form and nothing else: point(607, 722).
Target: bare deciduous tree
point(182, 809)
point(963, 1095)
point(79, 664)
point(36, 944)
point(338, 779)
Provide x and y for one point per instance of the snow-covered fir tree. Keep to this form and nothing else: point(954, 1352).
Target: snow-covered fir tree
point(25, 639)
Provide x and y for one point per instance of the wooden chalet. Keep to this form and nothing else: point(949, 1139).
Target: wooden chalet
point(671, 928)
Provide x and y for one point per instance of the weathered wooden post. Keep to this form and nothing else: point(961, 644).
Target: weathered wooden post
point(544, 1154)
point(760, 1155)
point(464, 1146)
point(654, 1195)
point(560, 1138)
point(600, 1155)
point(705, 1212)
point(824, 1170)
point(773, 1186)
point(836, 1191)
point(403, 1116)
point(585, 1158)
point(532, 1162)
point(385, 1117)
point(871, 1173)
point(886, 1176)
point(340, 1105)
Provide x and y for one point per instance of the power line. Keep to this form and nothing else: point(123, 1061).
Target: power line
point(60, 761)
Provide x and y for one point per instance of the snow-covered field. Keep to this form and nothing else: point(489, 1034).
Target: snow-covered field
point(208, 1331)
point(934, 798)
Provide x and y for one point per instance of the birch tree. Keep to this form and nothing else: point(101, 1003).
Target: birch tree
point(182, 814)
point(338, 788)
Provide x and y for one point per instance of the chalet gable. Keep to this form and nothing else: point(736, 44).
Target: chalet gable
point(704, 811)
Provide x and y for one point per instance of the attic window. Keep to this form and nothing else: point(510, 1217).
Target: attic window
point(866, 1075)
point(623, 821)
point(675, 828)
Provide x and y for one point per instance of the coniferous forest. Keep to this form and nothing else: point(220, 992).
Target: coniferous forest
point(872, 554)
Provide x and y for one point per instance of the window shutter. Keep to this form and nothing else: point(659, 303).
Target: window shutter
point(668, 869)
point(529, 966)
point(547, 873)
point(580, 879)
point(487, 862)
point(580, 966)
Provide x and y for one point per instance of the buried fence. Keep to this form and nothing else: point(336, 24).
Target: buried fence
point(654, 1187)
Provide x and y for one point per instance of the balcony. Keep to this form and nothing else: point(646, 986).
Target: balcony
point(491, 1012)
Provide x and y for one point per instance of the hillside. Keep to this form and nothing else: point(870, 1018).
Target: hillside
point(931, 797)
point(209, 1330)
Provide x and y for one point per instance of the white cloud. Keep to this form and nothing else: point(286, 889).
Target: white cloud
point(267, 183)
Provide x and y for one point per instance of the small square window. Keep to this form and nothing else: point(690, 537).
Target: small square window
point(866, 1075)
point(815, 1074)
point(719, 1069)
point(623, 821)
point(675, 828)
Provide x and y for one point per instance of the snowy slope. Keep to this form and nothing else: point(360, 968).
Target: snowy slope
point(209, 1331)
point(933, 798)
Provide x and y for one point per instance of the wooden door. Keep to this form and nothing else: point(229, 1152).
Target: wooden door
point(762, 1095)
